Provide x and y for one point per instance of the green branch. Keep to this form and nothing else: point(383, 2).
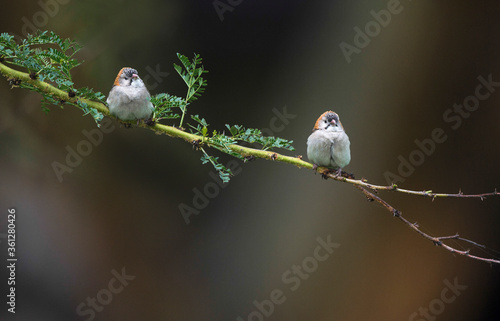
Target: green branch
point(16, 78)
point(245, 152)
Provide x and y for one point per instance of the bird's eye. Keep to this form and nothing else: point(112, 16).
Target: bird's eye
point(126, 78)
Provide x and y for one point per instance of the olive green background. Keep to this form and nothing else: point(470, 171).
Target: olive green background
point(120, 207)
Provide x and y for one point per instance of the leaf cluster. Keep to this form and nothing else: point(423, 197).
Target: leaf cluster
point(49, 58)
point(253, 135)
point(192, 74)
point(237, 134)
point(163, 106)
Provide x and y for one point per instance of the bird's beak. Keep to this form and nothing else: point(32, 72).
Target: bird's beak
point(135, 76)
point(333, 122)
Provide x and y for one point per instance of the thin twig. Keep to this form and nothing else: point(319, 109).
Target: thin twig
point(395, 188)
point(438, 241)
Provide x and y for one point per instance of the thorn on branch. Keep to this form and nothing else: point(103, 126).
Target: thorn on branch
point(372, 190)
point(14, 81)
point(196, 143)
point(177, 127)
point(348, 175)
point(71, 94)
point(150, 122)
point(33, 75)
point(274, 156)
point(249, 158)
point(396, 213)
point(437, 242)
point(394, 187)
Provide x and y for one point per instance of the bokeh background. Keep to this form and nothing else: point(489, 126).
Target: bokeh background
point(120, 208)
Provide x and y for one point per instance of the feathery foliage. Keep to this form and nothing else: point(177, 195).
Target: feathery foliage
point(50, 59)
point(192, 74)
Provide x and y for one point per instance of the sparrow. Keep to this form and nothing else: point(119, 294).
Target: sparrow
point(329, 145)
point(129, 97)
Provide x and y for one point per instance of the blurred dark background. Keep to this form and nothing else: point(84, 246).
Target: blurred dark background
point(119, 209)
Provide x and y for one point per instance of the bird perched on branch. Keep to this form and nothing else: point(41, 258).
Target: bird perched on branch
point(129, 97)
point(329, 145)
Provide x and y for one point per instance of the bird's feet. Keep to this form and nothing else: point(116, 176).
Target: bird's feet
point(324, 174)
point(327, 171)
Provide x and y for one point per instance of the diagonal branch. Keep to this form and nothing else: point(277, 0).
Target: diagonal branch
point(437, 240)
point(15, 78)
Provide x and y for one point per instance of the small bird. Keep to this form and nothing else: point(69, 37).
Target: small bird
point(329, 145)
point(129, 97)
